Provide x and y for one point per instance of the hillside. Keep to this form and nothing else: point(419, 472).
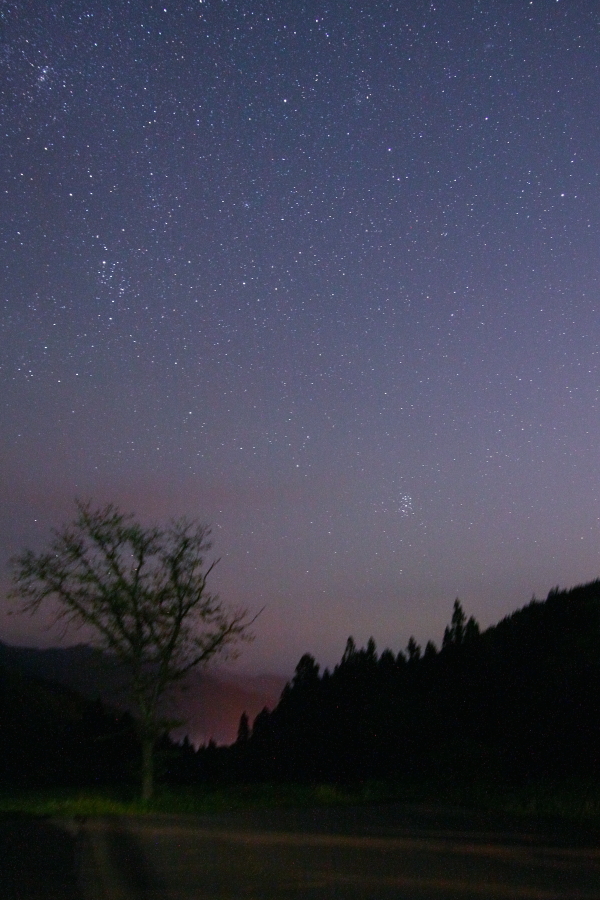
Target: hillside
point(211, 701)
point(520, 700)
point(50, 734)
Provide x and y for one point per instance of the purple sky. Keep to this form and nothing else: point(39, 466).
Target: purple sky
point(324, 274)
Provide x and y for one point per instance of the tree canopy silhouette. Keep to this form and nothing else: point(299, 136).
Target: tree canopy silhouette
point(143, 592)
point(518, 701)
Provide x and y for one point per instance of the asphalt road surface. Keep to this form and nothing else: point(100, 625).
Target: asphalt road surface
point(377, 852)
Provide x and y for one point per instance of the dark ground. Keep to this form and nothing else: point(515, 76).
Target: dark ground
point(346, 853)
point(38, 859)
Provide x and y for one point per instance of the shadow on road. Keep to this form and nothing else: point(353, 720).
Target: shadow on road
point(388, 852)
point(37, 860)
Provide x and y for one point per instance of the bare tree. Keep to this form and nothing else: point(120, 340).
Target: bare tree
point(143, 593)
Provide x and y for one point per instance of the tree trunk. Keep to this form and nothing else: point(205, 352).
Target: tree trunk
point(147, 767)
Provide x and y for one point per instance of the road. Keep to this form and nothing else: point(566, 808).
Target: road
point(383, 852)
point(38, 859)
point(359, 853)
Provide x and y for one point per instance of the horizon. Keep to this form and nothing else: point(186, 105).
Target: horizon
point(225, 669)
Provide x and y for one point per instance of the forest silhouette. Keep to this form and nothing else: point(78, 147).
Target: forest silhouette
point(517, 701)
point(520, 700)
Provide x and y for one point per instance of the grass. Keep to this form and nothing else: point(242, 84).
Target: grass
point(572, 803)
point(70, 803)
point(577, 802)
point(192, 801)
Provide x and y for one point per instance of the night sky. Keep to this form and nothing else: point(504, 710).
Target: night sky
point(323, 274)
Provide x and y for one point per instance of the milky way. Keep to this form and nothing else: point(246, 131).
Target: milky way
point(324, 274)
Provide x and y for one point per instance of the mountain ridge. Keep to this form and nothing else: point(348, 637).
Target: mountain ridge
point(210, 701)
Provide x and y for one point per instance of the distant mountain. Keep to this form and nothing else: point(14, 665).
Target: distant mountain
point(51, 734)
point(211, 701)
point(85, 670)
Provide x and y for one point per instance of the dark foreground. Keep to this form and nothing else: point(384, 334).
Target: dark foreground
point(387, 851)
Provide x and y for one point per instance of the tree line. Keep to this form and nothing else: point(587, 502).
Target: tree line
point(519, 700)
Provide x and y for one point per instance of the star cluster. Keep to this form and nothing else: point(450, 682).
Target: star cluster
point(324, 274)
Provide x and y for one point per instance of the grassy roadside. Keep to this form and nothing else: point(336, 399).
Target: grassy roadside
point(569, 803)
point(576, 802)
point(192, 801)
